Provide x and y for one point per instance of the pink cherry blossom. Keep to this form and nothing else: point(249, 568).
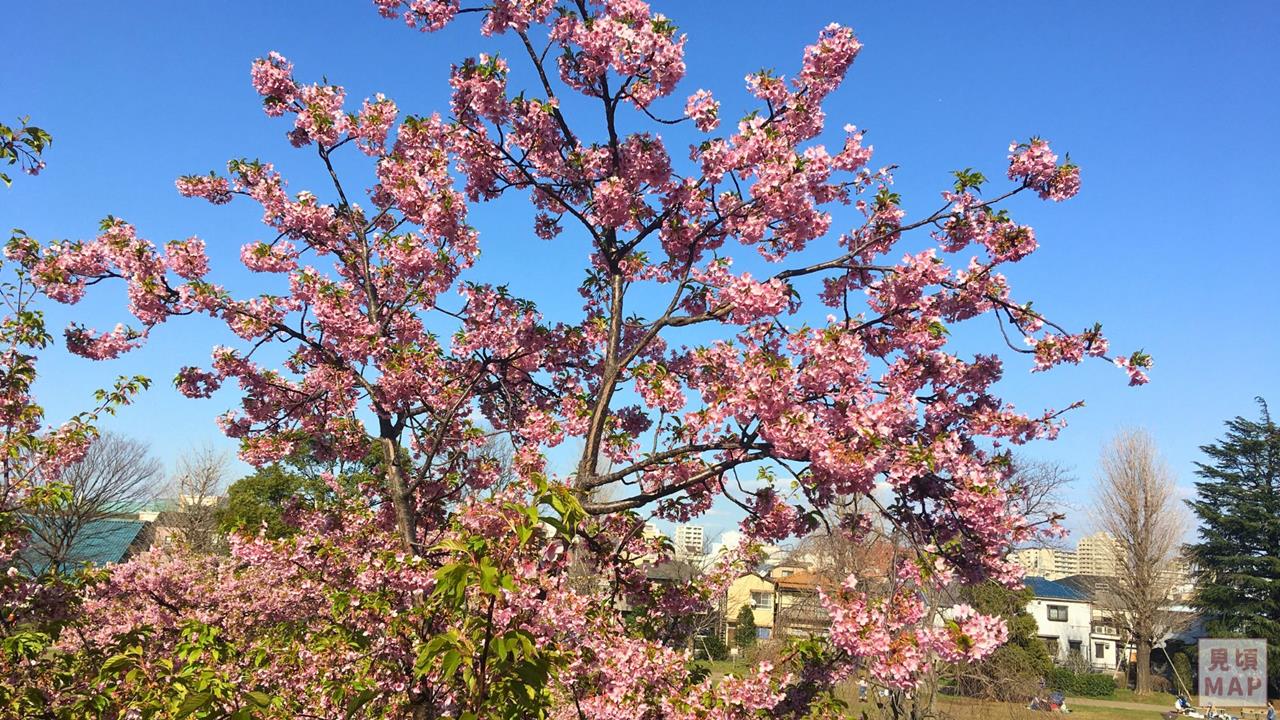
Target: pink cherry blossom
point(704, 110)
point(210, 187)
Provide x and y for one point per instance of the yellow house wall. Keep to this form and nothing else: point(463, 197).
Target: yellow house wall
point(740, 594)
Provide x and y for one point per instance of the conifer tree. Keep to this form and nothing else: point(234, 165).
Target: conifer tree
point(744, 635)
point(1238, 554)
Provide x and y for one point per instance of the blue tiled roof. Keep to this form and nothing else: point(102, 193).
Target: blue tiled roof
point(1051, 590)
point(99, 543)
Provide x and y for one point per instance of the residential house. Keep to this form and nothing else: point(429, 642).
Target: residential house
point(1110, 645)
point(798, 610)
point(684, 628)
point(755, 592)
point(787, 568)
point(1064, 616)
point(1107, 640)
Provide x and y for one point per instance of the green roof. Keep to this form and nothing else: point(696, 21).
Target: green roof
point(100, 542)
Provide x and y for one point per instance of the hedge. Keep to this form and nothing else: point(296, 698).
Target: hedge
point(1082, 684)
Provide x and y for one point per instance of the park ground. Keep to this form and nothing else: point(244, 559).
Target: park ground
point(1121, 705)
point(1083, 708)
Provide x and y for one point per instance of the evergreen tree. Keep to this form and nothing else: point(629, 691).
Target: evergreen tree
point(744, 635)
point(710, 647)
point(1015, 670)
point(257, 502)
point(1238, 554)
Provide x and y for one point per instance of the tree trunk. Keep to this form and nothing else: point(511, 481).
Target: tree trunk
point(398, 487)
point(1142, 673)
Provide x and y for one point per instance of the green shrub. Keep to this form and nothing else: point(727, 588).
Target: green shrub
point(1081, 684)
point(1008, 675)
point(1095, 685)
point(1182, 670)
point(744, 635)
point(1060, 679)
point(710, 647)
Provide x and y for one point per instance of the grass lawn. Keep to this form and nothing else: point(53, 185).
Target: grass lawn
point(1127, 695)
point(724, 667)
point(968, 709)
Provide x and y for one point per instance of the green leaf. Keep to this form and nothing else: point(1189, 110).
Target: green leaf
point(114, 664)
point(359, 701)
point(258, 698)
point(193, 702)
point(451, 661)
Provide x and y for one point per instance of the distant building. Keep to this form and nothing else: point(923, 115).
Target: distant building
point(690, 541)
point(1048, 563)
point(731, 539)
point(1097, 554)
point(649, 533)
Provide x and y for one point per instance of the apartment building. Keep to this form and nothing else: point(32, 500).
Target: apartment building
point(690, 541)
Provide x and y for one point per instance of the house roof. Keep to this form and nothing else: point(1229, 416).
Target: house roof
point(803, 580)
point(1087, 585)
point(99, 542)
point(672, 570)
point(1050, 590)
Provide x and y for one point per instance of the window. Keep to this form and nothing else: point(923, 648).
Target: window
point(1058, 613)
point(1051, 646)
point(763, 633)
point(762, 600)
point(1099, 651)
point(1075, 647)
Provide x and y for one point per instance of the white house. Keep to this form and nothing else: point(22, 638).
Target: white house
point(1108, 644)
point(1064, 616)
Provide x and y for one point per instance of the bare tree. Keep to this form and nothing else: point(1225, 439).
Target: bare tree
point(498, 450)
point(198, 484)
point(1037, 490)
point(114, 479)
point(1137, 505)
point(850, 539)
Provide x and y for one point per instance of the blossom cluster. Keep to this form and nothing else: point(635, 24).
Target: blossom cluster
point(1036, 165)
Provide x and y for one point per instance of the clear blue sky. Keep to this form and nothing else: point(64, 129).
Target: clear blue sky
point(1171, 109)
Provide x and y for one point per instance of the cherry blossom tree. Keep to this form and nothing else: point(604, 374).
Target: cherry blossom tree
point(438, 591)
